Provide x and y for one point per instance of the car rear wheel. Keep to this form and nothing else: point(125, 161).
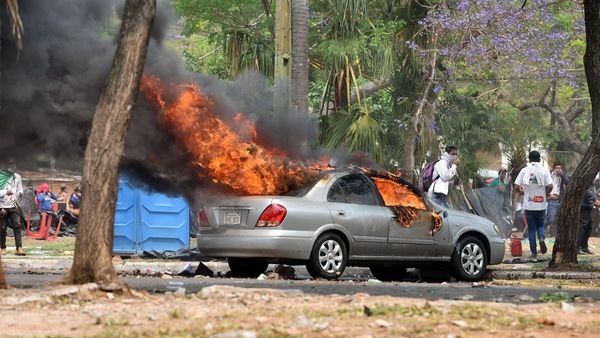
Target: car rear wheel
point(469, 260)
point(328, 257)
point(246, 267)
point(388, 272)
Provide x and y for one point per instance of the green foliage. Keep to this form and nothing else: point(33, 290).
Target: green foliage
point(356, 131)
point(471, 126)
point(240, 29)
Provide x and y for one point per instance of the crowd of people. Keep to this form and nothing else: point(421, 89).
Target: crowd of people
point(538, 196)
point(46, 201)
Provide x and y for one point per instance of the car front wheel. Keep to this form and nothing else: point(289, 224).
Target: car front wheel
point(328, 257)
point(246, 267)
point(469, 260)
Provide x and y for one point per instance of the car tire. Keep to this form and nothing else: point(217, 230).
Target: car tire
point(328, 257)
point(246, 267)
point(388, 272)
point(469, 260)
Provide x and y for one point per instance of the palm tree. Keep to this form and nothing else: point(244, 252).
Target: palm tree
point(299, 93)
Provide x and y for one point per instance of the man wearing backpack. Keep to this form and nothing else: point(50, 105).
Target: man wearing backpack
point(444, 173)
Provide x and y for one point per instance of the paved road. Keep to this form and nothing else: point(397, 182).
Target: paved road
point(430, 291)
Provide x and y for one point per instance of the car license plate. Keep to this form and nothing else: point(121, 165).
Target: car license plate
point(233, 218)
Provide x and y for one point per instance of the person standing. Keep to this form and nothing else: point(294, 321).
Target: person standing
point(500, 181)
point(559, 183)
point(11, 189)
point(585, 220)
point(535, 182)
point(444, 173)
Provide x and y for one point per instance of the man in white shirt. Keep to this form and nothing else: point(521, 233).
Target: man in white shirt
point(444, 173)
point(11, 189)
point(535, 182)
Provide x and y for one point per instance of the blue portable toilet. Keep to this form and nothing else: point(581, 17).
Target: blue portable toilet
point(146, 220)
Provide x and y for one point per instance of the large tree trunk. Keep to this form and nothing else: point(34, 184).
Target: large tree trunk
point(299, 93)
point(564, 252)
point(93, 248)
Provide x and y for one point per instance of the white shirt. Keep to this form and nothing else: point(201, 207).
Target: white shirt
point(445, 175)
point(16, 187)
point(534, 197)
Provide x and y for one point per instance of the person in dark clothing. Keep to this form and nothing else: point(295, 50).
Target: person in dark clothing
point(74, 203)
point(585, 220)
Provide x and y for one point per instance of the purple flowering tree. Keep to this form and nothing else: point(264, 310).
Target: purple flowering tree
point(527, 56)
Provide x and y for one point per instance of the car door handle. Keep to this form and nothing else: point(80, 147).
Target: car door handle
point(341, 212)
point(394, 217)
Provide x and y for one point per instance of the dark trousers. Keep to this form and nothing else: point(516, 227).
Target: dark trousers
point(15, 223)
point(535, 225)
point(585, 227)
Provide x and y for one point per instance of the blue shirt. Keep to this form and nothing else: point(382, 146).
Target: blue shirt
point(75, 201)
point(46, 201)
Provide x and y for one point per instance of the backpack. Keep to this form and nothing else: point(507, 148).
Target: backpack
point(426, 178)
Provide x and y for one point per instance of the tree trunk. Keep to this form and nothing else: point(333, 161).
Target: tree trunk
point(408, 157)
point(299, 94)
point(564, 252)
point(93, 247)
point(283, 55)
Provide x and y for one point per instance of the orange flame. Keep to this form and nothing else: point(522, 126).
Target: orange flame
point(395, 194)
point(245, 166)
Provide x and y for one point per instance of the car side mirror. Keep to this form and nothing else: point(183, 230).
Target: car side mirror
point(445, 214)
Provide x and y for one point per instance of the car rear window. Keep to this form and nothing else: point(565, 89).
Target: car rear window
point(304, 189)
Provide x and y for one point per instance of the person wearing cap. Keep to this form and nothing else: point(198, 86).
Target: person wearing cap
point(535, 182)
point(444, 173)
point(11, 189)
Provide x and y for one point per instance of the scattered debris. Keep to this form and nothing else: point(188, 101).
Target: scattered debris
point(460, 323)
point(285, 271)
point(383, 323)
point(526, 298)
point(567, 307)
point(236, 334)
point(466, 297)
point(262, 276)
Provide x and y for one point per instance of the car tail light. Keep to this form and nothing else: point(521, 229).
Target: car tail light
point(202, 219)
point(272, 216)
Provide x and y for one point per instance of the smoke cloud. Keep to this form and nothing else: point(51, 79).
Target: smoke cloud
point(50, 89)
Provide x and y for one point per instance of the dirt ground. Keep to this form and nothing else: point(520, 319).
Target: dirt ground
point(224, 311)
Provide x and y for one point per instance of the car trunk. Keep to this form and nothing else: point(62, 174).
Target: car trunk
point(241, 212)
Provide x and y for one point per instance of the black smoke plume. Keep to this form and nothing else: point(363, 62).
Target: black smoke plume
point(49, 91)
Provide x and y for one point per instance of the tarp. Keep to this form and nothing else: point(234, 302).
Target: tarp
point(488, 202)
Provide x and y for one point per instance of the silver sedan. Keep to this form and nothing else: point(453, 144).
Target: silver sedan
point(342, 220)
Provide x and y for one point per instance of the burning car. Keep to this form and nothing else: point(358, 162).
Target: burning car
point(348, 217)
point(292, 214)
